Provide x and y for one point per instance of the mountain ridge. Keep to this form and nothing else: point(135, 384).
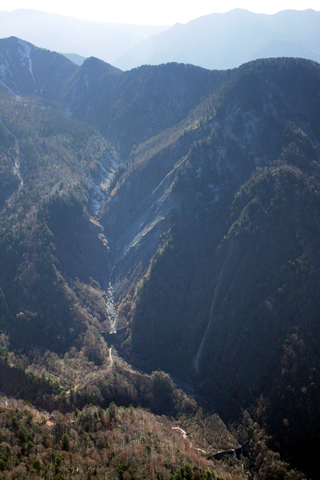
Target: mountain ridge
point(222, 41)
point(229, 39)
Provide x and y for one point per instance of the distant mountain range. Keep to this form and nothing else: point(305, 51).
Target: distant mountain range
point(226, 40)
point(59, 33)
point(216, 41)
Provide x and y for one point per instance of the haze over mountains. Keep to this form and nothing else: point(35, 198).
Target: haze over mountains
point(216, 41)
point(226, 40)
point(179, 206)
point(70, 35)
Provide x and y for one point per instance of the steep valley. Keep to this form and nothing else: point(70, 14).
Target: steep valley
point(185, 215)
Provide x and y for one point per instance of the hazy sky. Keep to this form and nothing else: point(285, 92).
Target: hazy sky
point(164, 12)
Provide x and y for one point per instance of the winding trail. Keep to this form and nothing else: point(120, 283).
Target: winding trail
point(185, 436)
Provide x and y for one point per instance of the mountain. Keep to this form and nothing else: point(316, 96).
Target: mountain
point(230, 298)
point(59, 33)
point(226, 40)
point(139, 104)
point(186, 235)
point(27, 70)
point(216, 41)
point(105, 96)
